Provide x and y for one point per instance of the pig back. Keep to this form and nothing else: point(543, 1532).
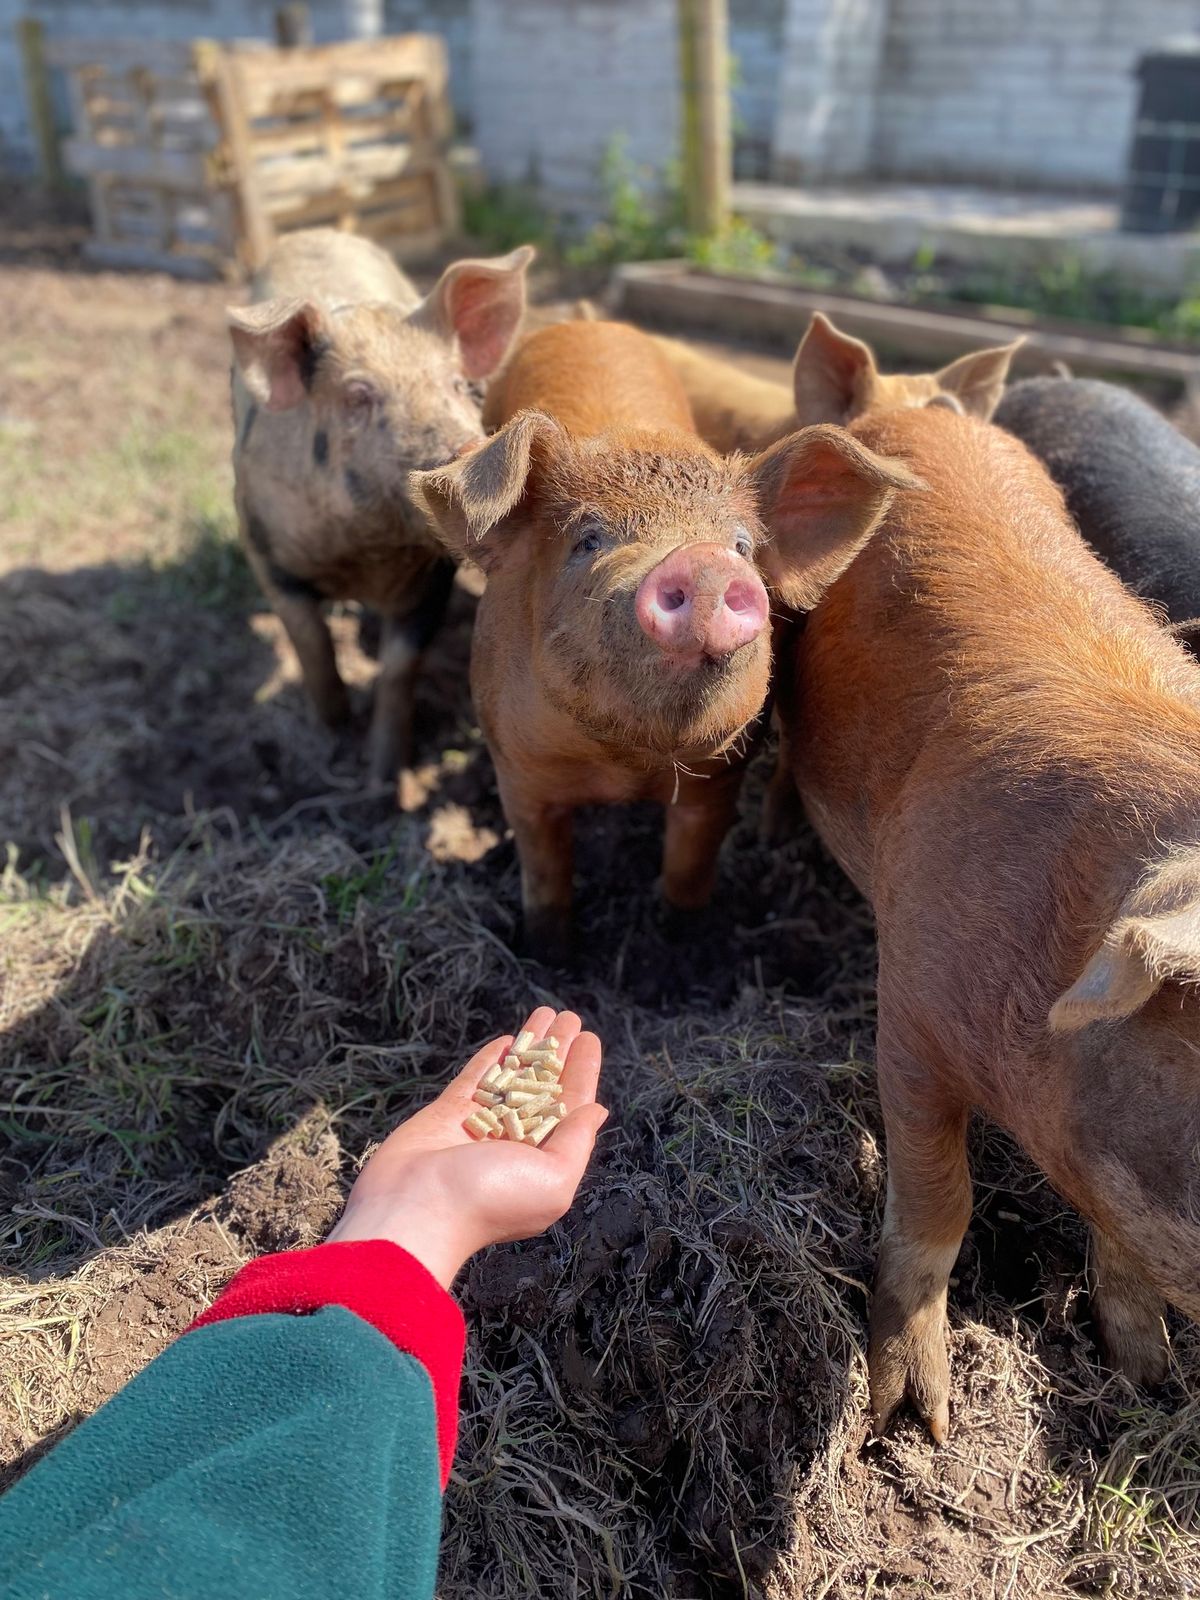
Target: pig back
point(1131, 480)
point(592, 377)
point(977, 621)
point(733, 410)
point(334, 267)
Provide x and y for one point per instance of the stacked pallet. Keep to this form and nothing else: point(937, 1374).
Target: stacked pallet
point(197, 155)
point(145, 144)
point(350, 136)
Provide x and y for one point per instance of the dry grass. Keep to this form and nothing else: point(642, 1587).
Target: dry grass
point(222, 976)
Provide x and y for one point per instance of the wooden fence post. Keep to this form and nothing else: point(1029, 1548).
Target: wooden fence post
point(31, 42)
point(293, 26)
point(704, 93)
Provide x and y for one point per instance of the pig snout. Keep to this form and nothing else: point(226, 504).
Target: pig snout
point(702, 600)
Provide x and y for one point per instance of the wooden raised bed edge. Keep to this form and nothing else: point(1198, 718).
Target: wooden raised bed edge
point(676, 292)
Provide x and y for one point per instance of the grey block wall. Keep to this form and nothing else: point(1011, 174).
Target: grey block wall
point(831, 56)
point(755, 41)
point(452, 19)
point(1016, 90)
point(1034, 92)
point(555, 80)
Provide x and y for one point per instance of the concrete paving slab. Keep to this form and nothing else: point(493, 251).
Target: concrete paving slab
point(976, 226)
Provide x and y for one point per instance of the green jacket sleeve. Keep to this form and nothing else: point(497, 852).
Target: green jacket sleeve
point(260, 1456)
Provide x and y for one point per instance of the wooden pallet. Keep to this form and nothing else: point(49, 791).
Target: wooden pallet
point(197, 155)
point(144, 143)
point(348, 136)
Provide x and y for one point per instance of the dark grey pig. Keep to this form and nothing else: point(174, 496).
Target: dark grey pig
point(1132, 483)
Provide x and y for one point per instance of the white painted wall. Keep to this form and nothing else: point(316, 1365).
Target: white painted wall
point(831, 55)
point(556, 79)
point(1033, 92)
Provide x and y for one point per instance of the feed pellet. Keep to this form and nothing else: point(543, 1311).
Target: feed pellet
point(521, 1097)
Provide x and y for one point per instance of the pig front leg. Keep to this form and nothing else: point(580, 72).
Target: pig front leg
point(305, 625)
point(928, 1208)
point(1129, 1312)
point(543, 835)
point(782, 812)
point(297, 604)
point(402, 642)
point(697, 821)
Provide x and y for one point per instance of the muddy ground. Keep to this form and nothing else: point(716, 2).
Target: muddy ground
point(224, 974)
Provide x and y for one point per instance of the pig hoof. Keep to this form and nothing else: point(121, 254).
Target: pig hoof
point(677, 923)
point(782, 815)
point(1135, 1339)
point(336, 712)
point(907, 1360)
point(549, 938)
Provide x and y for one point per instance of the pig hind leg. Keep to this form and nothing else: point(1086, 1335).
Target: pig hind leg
point(401, 643)
point(928, 1208)
point(1129, 1312)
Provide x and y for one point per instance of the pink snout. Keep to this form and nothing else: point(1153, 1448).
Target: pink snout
point(702, 600)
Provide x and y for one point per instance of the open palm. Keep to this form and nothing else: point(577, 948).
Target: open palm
point(443, 1195)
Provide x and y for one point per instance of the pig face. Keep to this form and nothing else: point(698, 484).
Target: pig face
point(380, 390)
point(629, 567)
point(835, 379)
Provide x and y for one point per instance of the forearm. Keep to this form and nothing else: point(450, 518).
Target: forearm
point(266, 1453)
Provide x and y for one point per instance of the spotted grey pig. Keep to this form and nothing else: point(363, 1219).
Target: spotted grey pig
point(344, 381)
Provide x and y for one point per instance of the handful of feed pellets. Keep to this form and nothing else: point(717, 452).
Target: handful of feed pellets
point(521, 1098)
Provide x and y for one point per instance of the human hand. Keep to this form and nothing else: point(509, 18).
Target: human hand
point(442, 1195)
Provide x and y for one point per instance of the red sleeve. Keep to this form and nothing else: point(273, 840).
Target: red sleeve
point(379, 1282)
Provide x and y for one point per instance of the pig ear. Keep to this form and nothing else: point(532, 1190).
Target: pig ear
point(978, 380)
point(469, 500)
point(820, 494)
point(1156, 937)
point(479, 303)
point(830, 374)
point(276, 346)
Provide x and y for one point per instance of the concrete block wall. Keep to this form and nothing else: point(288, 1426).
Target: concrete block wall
point(831, 56)
point(557, 79)
point(453, 20)
point(1036, 92)
point(1022, 92)
point(755, 40)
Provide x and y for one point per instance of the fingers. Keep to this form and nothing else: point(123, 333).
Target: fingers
point(565, 1029)
point(582, 1071)
point(579, 1078)
point(538, 1022)
point(570, 1145)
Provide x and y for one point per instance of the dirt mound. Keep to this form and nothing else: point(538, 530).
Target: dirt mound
point(664, 1397)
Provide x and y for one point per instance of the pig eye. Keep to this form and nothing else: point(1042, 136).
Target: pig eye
point(744, 547)
point(587, 543)
point(360, 396)
point(472, 389)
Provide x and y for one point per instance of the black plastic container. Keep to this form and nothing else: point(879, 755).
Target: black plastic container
point(1162, 184)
